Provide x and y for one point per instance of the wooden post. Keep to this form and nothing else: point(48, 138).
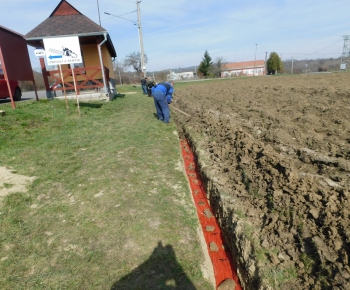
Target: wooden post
point(7, 80)
point(75, 87)
point(36, 90)
point(64, 88)
point(46, 81)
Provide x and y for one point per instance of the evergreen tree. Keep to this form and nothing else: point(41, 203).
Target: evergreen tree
point(205, 65)
point(274, 63)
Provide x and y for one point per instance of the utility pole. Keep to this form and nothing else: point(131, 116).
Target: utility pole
point(292, 66)
point(120, 78)
point(143, 67)
point(256, 47)
point(345, 58)
point(265, 63)
point(98, 9)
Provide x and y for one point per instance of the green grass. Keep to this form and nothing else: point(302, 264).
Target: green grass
point(276, 277)
point(110, 206)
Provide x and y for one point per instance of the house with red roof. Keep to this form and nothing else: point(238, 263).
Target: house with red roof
point(243, 68)
point(97, 51)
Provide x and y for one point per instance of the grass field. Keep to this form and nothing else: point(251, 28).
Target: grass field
point(109, 207)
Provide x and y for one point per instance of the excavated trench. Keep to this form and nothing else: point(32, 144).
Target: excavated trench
point(273, 157)
point(224, 270)
point(225, 241)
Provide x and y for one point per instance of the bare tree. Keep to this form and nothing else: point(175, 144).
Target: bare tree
point(161, 76)
point(39, 81)
point(119, 71)
point(134, 60)
point(118, 66)
point(215, 69)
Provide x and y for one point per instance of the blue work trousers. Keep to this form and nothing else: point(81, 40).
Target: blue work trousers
point(161, 104)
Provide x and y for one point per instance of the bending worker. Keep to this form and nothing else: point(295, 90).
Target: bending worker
point(169, 96)
point(160, 93)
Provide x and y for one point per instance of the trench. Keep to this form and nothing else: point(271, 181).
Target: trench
point(225, 272)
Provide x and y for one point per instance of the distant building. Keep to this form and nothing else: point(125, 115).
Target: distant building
point(243, 68)
point(180, 75)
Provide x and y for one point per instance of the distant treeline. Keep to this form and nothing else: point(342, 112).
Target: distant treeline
point(311, 65)
point(299, 66)
point(39, 81)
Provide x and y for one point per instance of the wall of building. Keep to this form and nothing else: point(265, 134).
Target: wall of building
point(16, 58)
point(91, 58)
point(180, 76)
point(244, 72)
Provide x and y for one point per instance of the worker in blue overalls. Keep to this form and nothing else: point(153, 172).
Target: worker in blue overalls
point(162, 94)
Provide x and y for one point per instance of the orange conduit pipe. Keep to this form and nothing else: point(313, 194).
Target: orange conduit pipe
point(224, 271)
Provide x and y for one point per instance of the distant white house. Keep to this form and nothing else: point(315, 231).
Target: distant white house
point(180, 75)
point(243, 68)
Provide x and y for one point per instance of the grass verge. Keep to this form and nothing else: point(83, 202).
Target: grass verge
point(110, 206)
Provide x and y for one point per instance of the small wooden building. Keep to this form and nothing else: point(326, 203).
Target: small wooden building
point(14, 58)
point(97, 50)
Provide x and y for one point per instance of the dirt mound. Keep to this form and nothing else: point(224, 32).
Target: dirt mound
point(275, 155)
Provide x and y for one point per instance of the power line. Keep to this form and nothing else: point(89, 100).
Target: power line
point(120, 17)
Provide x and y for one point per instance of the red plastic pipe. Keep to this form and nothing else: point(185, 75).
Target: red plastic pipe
point(224, 271)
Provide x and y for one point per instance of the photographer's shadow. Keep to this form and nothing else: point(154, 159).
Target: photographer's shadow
point(160, 271)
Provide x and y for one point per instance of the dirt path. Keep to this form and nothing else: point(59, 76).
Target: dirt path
point(11, 182)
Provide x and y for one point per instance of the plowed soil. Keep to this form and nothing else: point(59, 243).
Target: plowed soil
point(274, 153)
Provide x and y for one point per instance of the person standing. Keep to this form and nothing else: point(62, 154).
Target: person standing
point(150, 85)
point(160, 92)
point(144, 85)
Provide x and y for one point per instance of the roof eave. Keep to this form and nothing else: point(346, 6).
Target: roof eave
point(113, 52)
point(68, 35)
point(11, 31)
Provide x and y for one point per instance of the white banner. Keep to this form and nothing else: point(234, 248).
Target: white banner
point(62, 50)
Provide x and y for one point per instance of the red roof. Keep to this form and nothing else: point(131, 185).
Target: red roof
point(64, 8)
point(242, 64)
point(11, 31)
point(66, 20)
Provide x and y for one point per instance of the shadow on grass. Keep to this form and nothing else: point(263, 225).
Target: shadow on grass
point(160, 271)
point(90, 105)
point(119, 95)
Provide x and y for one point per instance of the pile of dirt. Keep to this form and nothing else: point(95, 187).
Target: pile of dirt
point(274, 152)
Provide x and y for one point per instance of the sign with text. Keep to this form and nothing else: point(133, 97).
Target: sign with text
point(62, 50)
point(39, 52)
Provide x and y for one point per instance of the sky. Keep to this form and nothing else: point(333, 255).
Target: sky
point(177, 33)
